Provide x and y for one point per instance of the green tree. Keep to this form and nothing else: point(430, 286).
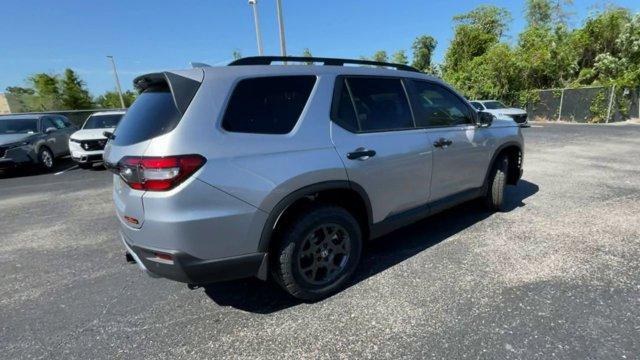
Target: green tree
point(399, 57)
point(236, 54)
point(21, 98)
point(423, 47)
point(111, 99)
point(47, 93)
point(307, 53)
point(487, 18)
point(380, 56)
point(475, 32)
point(539, 13)
point(74, 94)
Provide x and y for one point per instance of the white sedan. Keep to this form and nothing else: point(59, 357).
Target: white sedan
point(499, 109)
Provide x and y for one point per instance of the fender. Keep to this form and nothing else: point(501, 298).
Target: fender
point(282, 205)
point(493, 159)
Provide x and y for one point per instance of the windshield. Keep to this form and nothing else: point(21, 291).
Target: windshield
point(18, 126)
point(492, 105)
point(102, 121)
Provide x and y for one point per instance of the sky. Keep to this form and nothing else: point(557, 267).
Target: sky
point(145, 36)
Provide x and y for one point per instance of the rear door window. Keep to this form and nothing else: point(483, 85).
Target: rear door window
point(267, 105)
point(154, 113)
point(379, 104)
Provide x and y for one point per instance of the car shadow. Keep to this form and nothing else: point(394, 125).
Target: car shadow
point(261, 297)
point(62, 164)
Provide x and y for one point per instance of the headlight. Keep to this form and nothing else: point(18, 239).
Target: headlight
point(74, 140)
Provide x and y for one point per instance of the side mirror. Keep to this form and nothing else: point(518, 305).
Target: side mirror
point(50, 130)
point(484, 119)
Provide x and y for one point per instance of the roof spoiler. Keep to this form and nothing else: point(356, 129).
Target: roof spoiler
point(183, 85)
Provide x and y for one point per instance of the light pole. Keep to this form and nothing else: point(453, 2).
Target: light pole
point(254, 6)
point(115, 74)
point(283, 48)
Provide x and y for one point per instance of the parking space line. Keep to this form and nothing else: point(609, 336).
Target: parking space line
point(64, 171)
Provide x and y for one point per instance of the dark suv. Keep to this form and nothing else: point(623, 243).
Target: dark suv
point(33, 139)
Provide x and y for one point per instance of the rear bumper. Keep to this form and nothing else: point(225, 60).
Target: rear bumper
point(188, 269)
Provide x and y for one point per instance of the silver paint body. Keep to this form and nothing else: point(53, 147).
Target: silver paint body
point(220, 212)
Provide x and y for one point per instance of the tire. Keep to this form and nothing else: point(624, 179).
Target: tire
point(317, 253)
point(45, 158)
point(494, 198)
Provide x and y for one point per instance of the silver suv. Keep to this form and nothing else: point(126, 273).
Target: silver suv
point(254, 169)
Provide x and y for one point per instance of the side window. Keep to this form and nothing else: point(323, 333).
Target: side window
point(477, 105)
point(440, 107)
point(267, 105)
point(381, 104)
point(47, 123)
point(65, 121)
point(59, 124)
point(343, 113)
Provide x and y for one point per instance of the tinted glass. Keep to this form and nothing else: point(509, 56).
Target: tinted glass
point(344, 113)
point(493, 105)
point(477, 105)
point(152, 114)
point(102, 121)
point(47, 122)
point(270, 105)
point(18, 126)
point(381, 104)
point(58, 123)
point(440, 107)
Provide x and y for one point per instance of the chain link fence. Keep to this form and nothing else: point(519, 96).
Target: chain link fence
point(597, 104)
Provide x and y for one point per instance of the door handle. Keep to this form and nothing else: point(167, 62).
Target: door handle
point(361, 154)
point(442, 143)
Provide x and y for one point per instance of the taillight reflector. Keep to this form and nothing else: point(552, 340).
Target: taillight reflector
point(158, 173)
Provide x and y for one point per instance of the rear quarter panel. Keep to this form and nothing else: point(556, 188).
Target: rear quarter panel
point(258, 169)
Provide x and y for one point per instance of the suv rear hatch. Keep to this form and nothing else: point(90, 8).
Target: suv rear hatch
point(164, 98)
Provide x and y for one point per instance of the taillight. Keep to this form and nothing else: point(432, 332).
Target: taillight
point(158, 173)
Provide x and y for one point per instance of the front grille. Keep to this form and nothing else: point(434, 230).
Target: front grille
point(520, 119)
point(2, 151)
point(92, 145)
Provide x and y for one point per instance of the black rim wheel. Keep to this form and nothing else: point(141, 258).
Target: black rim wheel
point(324, 254)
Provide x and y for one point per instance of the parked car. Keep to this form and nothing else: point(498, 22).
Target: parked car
point(33, 139)
point(241, 170)
point(87, 144)
point(499, 109)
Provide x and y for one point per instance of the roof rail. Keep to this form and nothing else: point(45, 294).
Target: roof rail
point(267, 60)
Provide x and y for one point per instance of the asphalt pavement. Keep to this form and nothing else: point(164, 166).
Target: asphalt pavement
point(556, 276)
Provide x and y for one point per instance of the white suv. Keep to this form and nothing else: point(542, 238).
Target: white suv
point(87, 144)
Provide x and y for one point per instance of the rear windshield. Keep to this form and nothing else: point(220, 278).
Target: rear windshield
point(267, 105)
point(152, 114)
point(102, 121)
point(18, 126)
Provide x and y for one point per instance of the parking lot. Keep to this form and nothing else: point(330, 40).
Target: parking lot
point(557, 276)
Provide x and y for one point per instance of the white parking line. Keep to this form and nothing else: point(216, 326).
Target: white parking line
point(64, 171)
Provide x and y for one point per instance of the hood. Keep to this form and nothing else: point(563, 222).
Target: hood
point(90, 134)
point(502, 121)
point(13, 138)
point(507, 111)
